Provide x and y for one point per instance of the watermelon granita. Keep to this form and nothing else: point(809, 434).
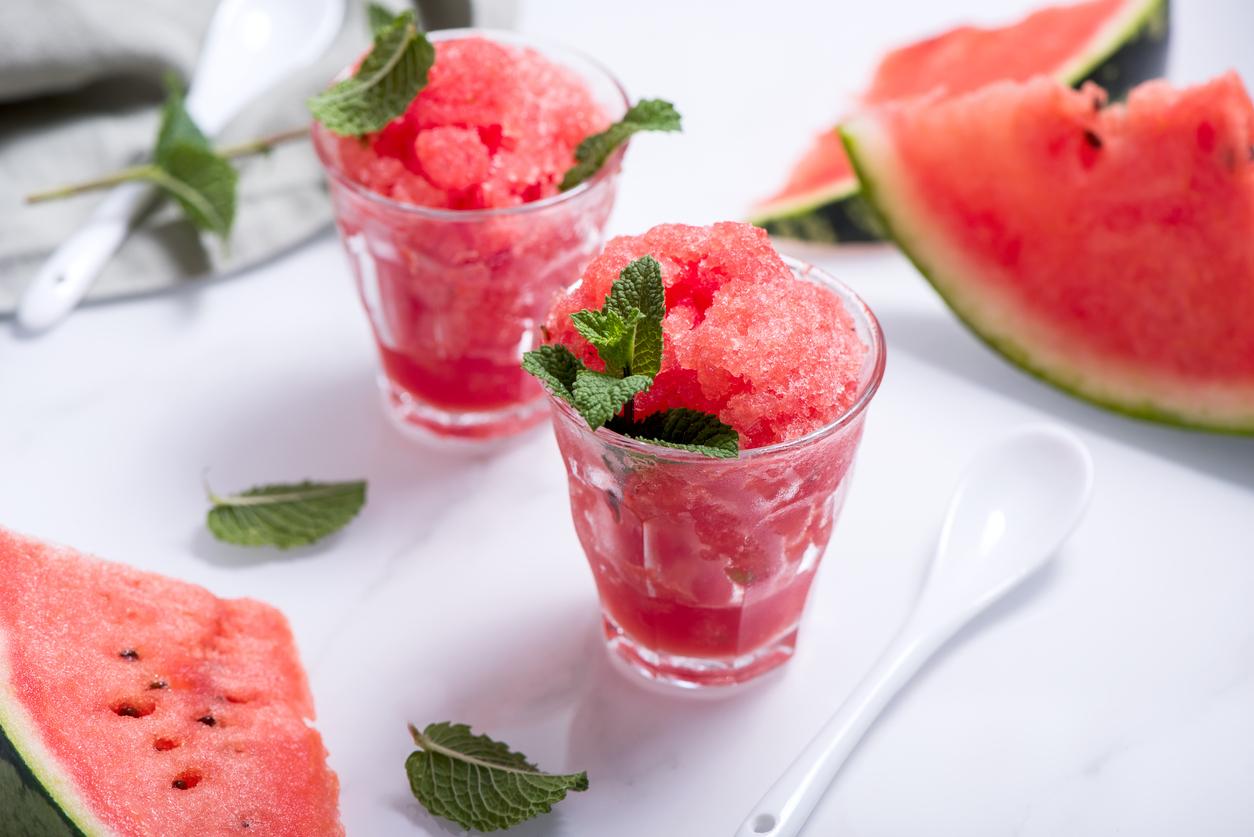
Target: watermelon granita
point(136, 705)
point(1116, 42)
point(456, 229)
point(703, 565)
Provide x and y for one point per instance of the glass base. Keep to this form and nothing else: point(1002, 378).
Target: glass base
point(696, 673)
point(428, 422)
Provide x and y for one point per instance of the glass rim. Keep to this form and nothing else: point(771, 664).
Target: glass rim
point(544, 47)
point(867, 387)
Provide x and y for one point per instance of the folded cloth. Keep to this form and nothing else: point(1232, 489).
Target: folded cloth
point(80, 88)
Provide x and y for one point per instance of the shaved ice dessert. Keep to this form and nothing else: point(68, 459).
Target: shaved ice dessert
point(457, 231)
point(703, 565)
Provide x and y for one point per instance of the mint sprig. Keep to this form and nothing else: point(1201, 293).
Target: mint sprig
point(686, 429)
point(285, 514)
point(591, 154)
point(378, 17)
point(480, 783)
point(383, 86)
point(627, 335)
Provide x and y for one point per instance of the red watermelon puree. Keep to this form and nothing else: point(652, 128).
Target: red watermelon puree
point(703, 565)
point(456, 230)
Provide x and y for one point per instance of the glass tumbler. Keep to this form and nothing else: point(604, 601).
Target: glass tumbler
point(703, 565)
point(455, 297)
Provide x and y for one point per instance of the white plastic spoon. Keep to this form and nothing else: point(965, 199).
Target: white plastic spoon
point(1015, 505)
point(251, 44)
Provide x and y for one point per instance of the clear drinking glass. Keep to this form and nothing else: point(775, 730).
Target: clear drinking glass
point(703, 565)
point(456, 296)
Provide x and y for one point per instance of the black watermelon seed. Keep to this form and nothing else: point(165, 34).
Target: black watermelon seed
point(207, 720)
point(129, 654)
point(1092, 139)
point(158, 684)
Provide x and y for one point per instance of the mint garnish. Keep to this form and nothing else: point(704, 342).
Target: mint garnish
point(383, 86)
point(556, 367)
point(285, 515)
point(479, 783)
point(687, 430)
point(378, 17)
point(627, 334)
point(591, 154)
point(187, 168)
point(600, 396)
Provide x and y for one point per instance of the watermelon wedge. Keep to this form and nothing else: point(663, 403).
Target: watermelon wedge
point(132, 704)
point(1117, 43)
point(1107, 249)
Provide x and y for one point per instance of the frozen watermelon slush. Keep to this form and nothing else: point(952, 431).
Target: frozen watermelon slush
point(703, 565)
point(457, 231)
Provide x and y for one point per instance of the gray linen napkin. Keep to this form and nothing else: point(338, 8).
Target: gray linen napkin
point(80, 85)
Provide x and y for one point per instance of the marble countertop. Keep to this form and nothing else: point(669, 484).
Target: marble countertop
point(1114, 694)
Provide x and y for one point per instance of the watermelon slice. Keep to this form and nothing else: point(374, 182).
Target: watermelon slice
point(132, 704)
point(1109, 250)
point(1115, 42)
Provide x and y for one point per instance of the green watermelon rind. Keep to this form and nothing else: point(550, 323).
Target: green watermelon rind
point(836, 213)
point(830, 214)
point(21, 747)
point(1074, 380)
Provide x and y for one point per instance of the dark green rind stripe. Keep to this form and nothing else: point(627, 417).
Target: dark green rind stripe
point(844, 219)
point(26, 807)
point(1139, 55)
point(1015, 353)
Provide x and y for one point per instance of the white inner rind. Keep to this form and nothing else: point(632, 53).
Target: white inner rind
point(22, 731)
point(987, 306)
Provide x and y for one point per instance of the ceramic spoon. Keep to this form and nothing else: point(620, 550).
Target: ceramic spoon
point(251, 44)
point(1014, 507)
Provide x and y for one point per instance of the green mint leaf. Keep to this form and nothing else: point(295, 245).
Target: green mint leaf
point(591, 154)
point(285, 515)
point(685, 429)
point(177, 126)
point(383, 86)
point(599, 397)
point(479, 783)
point(639, 289)
point(202, 183)
point(184, 166)
point(613, 335)
point(378, 17)
point(556, 367)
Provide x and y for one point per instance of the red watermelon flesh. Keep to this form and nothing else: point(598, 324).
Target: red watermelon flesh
point(1060, 41)
point(1108, 249)
point(146, 706)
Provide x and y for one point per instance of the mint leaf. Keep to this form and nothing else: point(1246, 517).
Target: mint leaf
point(285, 515)
point(591, 154)
point(201, 181)
point(383, 86)
point(613, 336)
point(639, 289)
point(479, 783)
point(599, 397)
point(378, 17)
point(685, 429)
point(556, 367)
point(177, 126)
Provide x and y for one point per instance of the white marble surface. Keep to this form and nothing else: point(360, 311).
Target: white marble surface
point(1114, 695)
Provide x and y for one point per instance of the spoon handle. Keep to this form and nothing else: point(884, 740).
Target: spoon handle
point(787, 805)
